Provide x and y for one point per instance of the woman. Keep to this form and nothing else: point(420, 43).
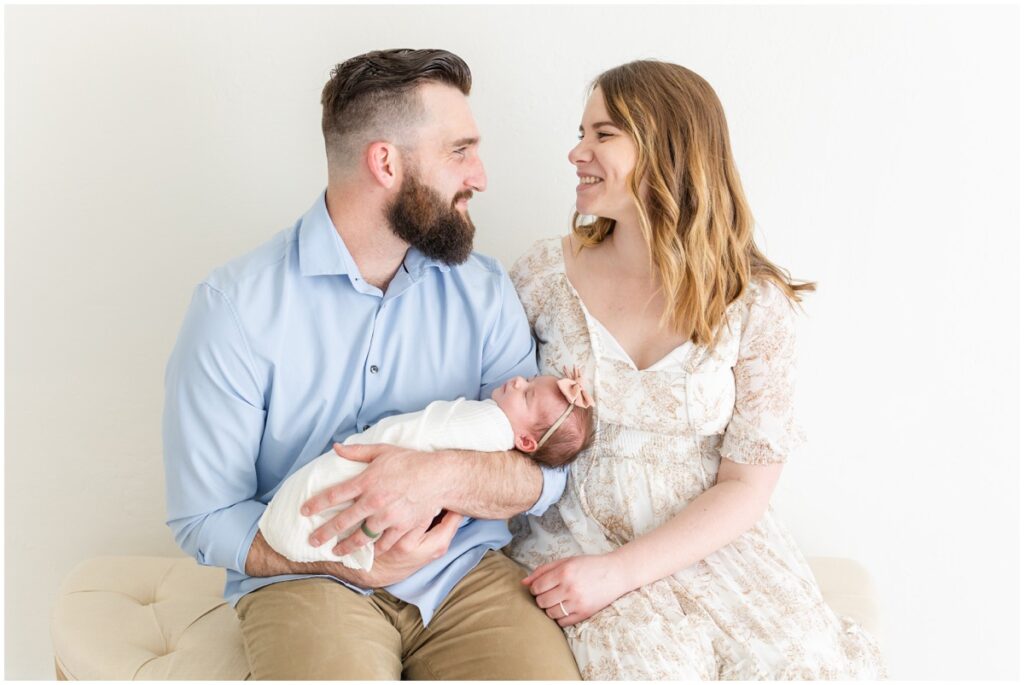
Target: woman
point(663, 558)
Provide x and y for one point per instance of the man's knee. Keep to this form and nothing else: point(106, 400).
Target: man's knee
point(490, 628)
point(316, 629)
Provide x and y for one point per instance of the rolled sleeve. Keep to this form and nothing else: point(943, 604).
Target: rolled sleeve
point(551, 491)
point(212, 426)
point(222, 538)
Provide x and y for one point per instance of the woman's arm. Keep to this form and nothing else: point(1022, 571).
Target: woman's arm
point(760, 435)
point(714, 519)
point(586, 584)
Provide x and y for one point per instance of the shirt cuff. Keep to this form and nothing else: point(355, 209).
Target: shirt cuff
point(235, 529)
point(551, 491)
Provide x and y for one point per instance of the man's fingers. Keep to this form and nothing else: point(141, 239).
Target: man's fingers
point(387, 540)
point(341, 524)
point(353, 542)
point(363, 453)
point(441, 535)
point(332, 496)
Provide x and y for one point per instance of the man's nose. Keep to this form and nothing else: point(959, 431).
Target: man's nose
point(477, 180)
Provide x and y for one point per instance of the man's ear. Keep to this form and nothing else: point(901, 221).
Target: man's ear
point(383, 163)
point(526, 444)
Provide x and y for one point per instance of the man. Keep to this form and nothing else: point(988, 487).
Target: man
point(371, 305)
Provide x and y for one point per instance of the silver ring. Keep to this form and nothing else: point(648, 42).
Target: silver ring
point(562, 607)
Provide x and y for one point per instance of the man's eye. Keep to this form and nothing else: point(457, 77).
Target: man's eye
point(460, 151)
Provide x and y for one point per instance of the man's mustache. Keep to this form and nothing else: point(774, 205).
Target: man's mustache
point(462, 195)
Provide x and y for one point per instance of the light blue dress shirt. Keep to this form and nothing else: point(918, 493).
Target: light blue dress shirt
point(287, 350)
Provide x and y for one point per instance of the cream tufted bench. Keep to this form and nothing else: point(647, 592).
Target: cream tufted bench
point(160, 618)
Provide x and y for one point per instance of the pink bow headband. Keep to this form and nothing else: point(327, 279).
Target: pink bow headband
point(574, 393)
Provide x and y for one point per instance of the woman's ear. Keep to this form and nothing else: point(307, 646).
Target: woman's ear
point(526, 444)
point(383, 163)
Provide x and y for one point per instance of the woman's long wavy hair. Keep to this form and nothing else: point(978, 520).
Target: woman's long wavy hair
point(693, 213)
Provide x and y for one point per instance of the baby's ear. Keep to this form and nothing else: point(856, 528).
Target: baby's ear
point(526, 444)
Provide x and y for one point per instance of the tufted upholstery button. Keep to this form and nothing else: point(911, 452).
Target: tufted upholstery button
point(146, 618)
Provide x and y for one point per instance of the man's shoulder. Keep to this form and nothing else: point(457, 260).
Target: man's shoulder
point(480, 267)
point(269, 261)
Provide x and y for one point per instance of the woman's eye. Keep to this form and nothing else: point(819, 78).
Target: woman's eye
point(602, 134)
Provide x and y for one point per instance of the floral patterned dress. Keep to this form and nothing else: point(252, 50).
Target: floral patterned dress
point(751, 610)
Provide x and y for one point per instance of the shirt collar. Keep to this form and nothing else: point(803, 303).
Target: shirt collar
point(321, 249)
point(323, 252)
point(417, 263)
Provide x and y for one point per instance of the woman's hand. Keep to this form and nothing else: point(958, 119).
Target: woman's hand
point(583, 585)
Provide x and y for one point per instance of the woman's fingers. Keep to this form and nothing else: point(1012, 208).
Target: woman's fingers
point(545, 582)
point(570, 620)
point(542, 569)
point(551, 598)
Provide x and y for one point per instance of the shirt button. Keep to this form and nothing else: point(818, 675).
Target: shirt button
point(374, 369)
point(366, 427)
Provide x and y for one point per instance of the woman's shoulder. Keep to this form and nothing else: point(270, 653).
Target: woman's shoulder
point(534, 275)
point(765, 309)
point(764, 292)
point(541, 259)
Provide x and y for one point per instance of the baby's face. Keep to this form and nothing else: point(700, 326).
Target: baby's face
point(530, 404)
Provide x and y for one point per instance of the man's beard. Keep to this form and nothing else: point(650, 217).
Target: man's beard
point(420, 216)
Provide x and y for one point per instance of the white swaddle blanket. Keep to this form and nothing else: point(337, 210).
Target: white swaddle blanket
point(459, 424)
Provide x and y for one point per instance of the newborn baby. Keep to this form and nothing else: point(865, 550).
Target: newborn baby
point(545, 417)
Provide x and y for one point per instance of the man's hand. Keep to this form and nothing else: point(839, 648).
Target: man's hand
point(412, 552)
point(399, 493)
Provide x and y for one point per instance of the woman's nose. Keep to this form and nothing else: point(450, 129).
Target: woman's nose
point(579, 153)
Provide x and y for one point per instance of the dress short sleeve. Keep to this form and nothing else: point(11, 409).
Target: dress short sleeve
point(531, 275)
point(763, 428)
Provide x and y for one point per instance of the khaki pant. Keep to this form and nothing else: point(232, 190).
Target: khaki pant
point(488, 628)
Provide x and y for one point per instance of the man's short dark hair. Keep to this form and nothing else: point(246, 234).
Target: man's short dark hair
point(374, 95)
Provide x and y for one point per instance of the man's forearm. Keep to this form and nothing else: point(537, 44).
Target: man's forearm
point(490, 485)
point(263, 561)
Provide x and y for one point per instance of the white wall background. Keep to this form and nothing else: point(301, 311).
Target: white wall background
point(878, 145)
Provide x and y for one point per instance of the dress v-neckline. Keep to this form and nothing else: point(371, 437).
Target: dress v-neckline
point(597, 322)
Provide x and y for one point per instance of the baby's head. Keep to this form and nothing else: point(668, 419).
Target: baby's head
point(533, 406)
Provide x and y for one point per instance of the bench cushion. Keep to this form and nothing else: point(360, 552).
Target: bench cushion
point(163, 618)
